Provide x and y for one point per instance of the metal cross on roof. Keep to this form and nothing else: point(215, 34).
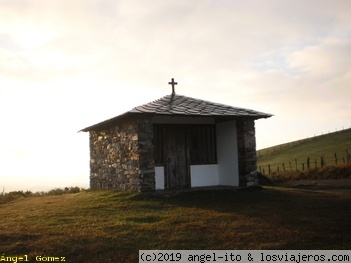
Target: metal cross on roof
point(173, 84)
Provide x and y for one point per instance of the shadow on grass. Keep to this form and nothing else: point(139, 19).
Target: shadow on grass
point(279, 218)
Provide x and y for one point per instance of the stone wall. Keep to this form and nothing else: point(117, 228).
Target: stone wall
point(121, 157)
point(146, 155)
point(247, 152)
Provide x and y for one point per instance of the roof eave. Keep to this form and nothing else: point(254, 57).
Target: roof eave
point(106, 123)
point(109, 122)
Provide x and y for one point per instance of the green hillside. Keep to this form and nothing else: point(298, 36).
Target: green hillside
point(329, 150)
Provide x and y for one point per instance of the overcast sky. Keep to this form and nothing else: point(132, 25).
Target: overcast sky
point(65, 65)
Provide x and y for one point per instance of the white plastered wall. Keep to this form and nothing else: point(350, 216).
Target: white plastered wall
point(227, 154)
point(204, 175)
point(160, 177)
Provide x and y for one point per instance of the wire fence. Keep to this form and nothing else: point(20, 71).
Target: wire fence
point(306, 163)
point(285, 146)
point(281, 147)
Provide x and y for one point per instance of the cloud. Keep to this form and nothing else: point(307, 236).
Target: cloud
point(120, 39)
point(326, 60)
point(66, 64)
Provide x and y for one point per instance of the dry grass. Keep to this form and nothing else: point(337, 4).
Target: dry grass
point(329, 172)
point(107, 226)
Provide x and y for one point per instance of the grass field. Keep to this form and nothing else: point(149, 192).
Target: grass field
point(325, 146)
point(107, 226)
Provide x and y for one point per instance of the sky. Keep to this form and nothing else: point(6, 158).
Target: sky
point(66, 65)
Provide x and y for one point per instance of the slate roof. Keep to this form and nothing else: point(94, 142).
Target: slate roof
point(178, 105)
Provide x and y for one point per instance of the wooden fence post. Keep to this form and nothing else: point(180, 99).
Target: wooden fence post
point(283, 166)
point(336, 159)
point(308, 162)
point(290, 166)
point(296, 164)
point(269, 169)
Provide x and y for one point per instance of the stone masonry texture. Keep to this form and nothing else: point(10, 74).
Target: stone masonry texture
point(246, 152)
point(122, 156)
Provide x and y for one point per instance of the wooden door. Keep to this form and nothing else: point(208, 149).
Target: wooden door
point(176, 158)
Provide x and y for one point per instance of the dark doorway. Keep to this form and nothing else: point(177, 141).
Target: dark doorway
point(176, 158)
point(179, 146)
